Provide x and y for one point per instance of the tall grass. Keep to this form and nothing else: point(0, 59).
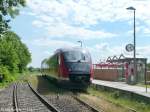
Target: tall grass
point(116, 98)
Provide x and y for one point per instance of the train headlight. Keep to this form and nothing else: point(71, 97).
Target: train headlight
point(69, 70)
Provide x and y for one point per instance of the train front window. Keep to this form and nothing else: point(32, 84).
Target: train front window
point(75, 56)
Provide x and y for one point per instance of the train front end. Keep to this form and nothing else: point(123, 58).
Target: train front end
point(79, 65)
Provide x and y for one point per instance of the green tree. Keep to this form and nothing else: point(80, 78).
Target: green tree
point(9, 9)
point(24, 57)
point(8, 55)
point(31, 69)
point(13, 53)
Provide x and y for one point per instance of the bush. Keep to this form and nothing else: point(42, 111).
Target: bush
point(115, 94)
point(4, 74)
point(31, 69)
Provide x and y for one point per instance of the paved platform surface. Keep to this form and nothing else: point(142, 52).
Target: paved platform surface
point(123, 86)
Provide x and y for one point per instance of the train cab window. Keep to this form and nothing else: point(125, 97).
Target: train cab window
point(75, 56)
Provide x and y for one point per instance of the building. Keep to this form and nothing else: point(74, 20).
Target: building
point(122, 69)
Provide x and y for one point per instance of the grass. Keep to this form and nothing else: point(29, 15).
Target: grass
point(115, 98)
point(15, 77)
point(143, 85)
point(102, 104)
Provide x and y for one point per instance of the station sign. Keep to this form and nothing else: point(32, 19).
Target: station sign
point(129, 47)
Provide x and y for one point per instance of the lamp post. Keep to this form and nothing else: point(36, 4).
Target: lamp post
point(134, 42)
point(80, 42)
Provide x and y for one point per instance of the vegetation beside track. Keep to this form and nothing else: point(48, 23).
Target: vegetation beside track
point(14, 57)
point(118, 100)
point(15, 77)
point(10, 80)
point(100, 103)
point(143, 85)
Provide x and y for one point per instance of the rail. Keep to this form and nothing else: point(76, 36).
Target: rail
point(86, 104)
point(48, 105)
point(15, 102)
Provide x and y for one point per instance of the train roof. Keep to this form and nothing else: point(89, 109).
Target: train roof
point(71, 49)
point(66, 49)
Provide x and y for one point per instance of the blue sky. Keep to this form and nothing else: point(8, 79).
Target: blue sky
point(104, 27)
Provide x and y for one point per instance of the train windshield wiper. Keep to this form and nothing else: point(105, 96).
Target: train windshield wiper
point(79, 60)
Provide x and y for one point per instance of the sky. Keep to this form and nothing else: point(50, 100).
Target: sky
point(104, 26)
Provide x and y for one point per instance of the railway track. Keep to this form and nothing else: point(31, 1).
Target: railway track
point(87, 105)
point(21, 97)
point(66, 102)
point(6, 104)
point(15, 103)
point(70, 103)
point(25, 99)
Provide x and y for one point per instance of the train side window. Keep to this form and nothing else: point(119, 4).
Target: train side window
point(59, 59)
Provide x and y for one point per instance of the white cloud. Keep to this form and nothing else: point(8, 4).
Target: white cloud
point(61, 30)
point(58, 16)
point(28, 13)
point(147, 31)
point(90, 11)
point(139, 29)
point(75, 18)
point(38, 23)
point(65, 30)
point(144, 51)
point(104, 50)
point(46, 42)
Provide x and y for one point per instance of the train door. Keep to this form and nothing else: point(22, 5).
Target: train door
point(131, 79)
point(59, 65)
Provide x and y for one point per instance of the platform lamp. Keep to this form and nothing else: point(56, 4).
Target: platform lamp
point(134, 42)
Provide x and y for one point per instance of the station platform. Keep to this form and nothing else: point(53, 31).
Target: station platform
point(124, 87)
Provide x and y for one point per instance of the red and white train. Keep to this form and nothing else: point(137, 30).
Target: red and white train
point(69, 64)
